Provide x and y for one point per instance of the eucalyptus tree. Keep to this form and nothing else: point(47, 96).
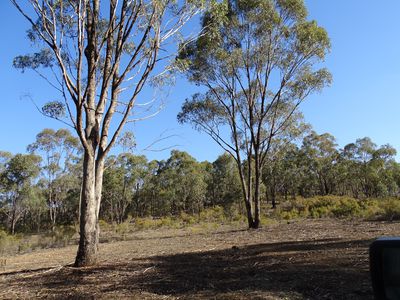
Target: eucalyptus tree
point(4, 158)
point(282, 174)
point(102, 54)
point(16, 182)
point(225, 183)
point(182, 183)
point(367, 168)
point(59, 150)
point(320, 157)
point(150, 193)
point(115, 199)
point(125, 176)
point(257, 60)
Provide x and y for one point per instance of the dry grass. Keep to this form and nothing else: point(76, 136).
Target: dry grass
point(306, 259)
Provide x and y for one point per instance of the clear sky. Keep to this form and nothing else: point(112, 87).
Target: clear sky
point(364, 99)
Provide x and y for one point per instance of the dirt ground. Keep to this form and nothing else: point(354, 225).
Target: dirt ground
point(307, 259)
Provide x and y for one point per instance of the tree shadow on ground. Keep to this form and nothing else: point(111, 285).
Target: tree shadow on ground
point(315, 269)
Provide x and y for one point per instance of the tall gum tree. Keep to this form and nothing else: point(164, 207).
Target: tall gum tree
point(257, 60)
point(101, 53)
point(58, 150)
point(16, 185)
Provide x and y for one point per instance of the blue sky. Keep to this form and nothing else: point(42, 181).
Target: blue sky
point(364, 99)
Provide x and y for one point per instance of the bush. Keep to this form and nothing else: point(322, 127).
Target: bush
point(370, 209)
point(122, 228)
point(347, 207)
point(390, 209)
point(339, 207)
point(320, 207)
point(213, 214)
point(264, 220)
point(168, 222)
point(187, 219)
point(61, 236)
point(144, 223)
point(8, 243)
point(104, 226)
point(289, 215)
point(150, 223)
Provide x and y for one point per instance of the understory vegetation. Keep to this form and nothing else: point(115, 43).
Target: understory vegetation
point(39, 191)
point(209, 219)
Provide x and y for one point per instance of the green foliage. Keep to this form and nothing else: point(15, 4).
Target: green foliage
point(8, 243)
point(224, 187)
point(123, 229)
point(320, 207)
point(288, 215)
point(43, 58)
point(340, 207)
point(179, 185)
point(187, 219)
point(169, 222)
point(311, 36)
point(214, 214)
point(150, 223)
point(347, 207)
point(180, 192)
point(390, 209)
point(61, 235)
point(54, 109)
point(257, 60)
point(104, 226)
point(146, 223)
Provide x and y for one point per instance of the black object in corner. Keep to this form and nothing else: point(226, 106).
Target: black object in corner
point(384, 256)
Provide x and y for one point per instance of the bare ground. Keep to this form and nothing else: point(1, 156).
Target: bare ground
point(307, 259)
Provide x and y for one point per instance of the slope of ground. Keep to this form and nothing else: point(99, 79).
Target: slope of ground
point(307, 259)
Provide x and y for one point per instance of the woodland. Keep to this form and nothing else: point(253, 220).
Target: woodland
point(40, 190)
point(281, 203)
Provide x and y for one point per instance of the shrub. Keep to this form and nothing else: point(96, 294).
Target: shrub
point(320, 207)
point(233, 213)
point(144, 223)
point(372, 210)
point(150, 223)
point(8, 243)
point(104, 226)
point(187, 219)
point(289, 215)
point(390, 209)
point(265, 220)
point(213, 214)
point(61, 236)
point(122, 229)
point(169, 222)
point(347, 207)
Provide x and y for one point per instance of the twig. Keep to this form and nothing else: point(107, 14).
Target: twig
point(148, 269)
point(53, 269)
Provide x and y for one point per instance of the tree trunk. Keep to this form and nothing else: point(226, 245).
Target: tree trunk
point(13, 222)
point(249, 199)
point(13, 218)
point(273, 197)
point(249, 209)
point(89, 227)
point(89, 234)
point(257, 186)
point(246, 190)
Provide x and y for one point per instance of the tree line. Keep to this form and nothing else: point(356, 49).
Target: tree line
point(41, 189)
